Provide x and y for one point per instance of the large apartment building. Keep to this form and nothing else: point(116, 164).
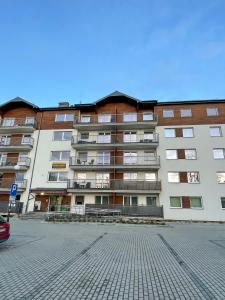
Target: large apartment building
point(168, 158)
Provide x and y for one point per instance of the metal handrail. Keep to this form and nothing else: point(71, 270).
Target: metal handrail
point(113, 160)
point(13, 122)
point(13, 161)
point(113, 184)
point(7, 182)
point(108, 118)
point(116, 139)
point(16, 141)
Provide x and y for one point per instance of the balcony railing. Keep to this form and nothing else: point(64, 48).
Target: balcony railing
point(147, 138)
point(17, 122)
point(110, 119)
point(5, 183)
point(16, 142)
point(112, 161)
point(15, 161)
point(114, 184)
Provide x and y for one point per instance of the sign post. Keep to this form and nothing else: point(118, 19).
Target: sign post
point(12, 199)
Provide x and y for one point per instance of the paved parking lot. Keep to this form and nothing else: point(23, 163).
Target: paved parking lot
point(112, 261)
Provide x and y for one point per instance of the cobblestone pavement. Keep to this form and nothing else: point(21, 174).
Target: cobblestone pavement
point(112, 261)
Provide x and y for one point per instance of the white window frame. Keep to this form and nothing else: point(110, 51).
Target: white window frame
point(167, 130)
point(219, 175)
point(222, 199)
point(130, 137)
point(210, 111)
point(213, 128)
point(103, 158)
point(130, 176)
point(63, 134)
point(192, 176)
point(180, 198)
point(130, 158)
point(151, 176)
point(85, 119)
point(174, 156)
point(5, 140)
point(168, 113)
point(130, 200)
point(186, 113)
point(146, 118)
point(104, 137)
point(104, 118)
point(28, 138)
point(8, 122)
point(191, 129)
point(217, 149)
point(60, 155)
point(101, 197)
point(176, 175)
point(28, 122)
point(186, 156)
point(130, 117)
point(192, 207)
point(58, 176)
point(65, 117)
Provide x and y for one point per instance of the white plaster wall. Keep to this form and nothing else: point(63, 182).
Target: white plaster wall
point(207, 166)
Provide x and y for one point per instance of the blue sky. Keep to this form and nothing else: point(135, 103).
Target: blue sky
point(80, 51)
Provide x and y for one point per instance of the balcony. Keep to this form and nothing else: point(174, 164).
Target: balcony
point(108, 163)
point(114, 185)
point(16, 144)
point(14, 164)
point(115, 121)
point(112, 141)
point(5, 184)
point(17, 125)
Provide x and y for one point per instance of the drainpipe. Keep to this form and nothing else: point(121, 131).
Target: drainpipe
point(32, 172)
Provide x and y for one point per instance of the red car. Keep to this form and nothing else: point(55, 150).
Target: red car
point(4, 230)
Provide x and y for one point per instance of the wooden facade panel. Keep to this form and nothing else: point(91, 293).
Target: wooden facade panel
point(185, 202)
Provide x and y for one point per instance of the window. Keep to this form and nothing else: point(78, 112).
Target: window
point(130, 137)
point(151, 200)
point(188, 132)
point(150, 176)
point(223, 202)
point(64, 118)
point(130, 158)
point(220, 177)
point(57, 176)
point(184, 113)
point(3, 159)
point(85, 119)
point(171, 154)
point(175, 202)
point(102, 180)
point(19, 177)
point(195, 202)
point(60, 155)
point(104, 118)
point(149, 156)
point(104, 137)
point(193, 177)
point(169, 132)
point(147, 116)
point(102, 200)
point(129, 117)
point(84, 137)
point(62, 135)
point(103, 158)
point(190, 154)
point(5, 140)
point(81, 178)
point(149, 136)
point(82, 157)
point(168, 113)
point(215, 131)
point(26, 139)
point(219, 153)
point(173, 177)
point(129, 176)
point(8, 122)
point(212, 111)
point(29, 121)
point(23, 157)
point(130, 200)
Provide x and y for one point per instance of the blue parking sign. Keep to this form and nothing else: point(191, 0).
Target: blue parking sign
point(13, 190)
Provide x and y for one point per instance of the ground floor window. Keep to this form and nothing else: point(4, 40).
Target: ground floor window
point(195, 202)
point(102, 200)
point(223, 202)
point(79, 200)
point(151, 200)
point(175, 202)
point(130, 200)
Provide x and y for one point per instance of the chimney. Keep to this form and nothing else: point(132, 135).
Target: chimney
point(64, 104)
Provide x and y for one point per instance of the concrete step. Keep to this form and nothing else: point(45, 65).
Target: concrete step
point(33, 215)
